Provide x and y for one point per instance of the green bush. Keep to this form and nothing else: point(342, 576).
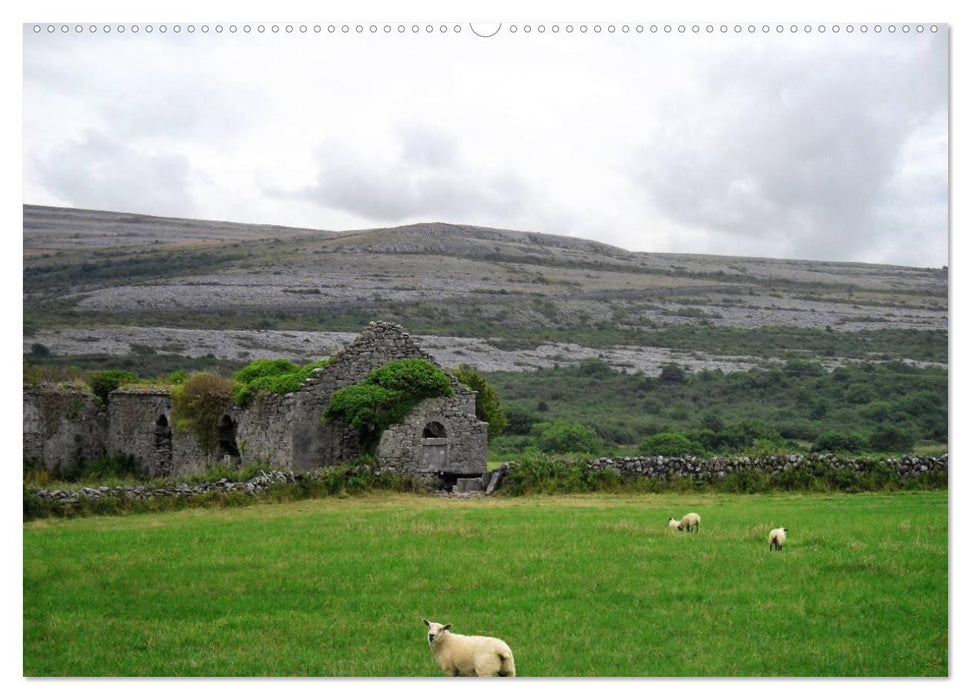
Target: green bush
point(487, 405)
point(670, 445)
point(521, 421)
point(272, 377)
point(263, 368)
point(834, 441)
point(540, 473)
point(386, 396)
point(105, 381)
point(673, 374)
point(198, 405)
point(564, 437)
point(745, 433)
point(891, 438)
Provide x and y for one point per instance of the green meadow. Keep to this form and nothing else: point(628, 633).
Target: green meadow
point(589, 585)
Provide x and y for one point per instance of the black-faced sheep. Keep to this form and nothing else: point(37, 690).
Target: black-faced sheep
point(777, 538)
point(461, 655)
point(692, 521)
point(674, 524)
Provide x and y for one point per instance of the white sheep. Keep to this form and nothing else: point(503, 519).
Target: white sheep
point(461, 655)
point(674, 524)
point(777, 538)
point(689, 522)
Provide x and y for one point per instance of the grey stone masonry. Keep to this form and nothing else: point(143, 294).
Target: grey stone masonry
point(65, 427)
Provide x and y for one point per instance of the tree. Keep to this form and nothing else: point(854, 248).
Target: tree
point(673, 374)
point(890, 438)
point(487, 405)
point(198, 405)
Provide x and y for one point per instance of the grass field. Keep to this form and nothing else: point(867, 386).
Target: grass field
point(578, 586)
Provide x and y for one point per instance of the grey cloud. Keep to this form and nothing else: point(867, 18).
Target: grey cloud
point(424, 179)
point(423, 145)
point(797, 155)
point(103, 173)
point(158, 86)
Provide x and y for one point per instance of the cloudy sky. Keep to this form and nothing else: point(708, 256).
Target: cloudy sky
point(820, 146)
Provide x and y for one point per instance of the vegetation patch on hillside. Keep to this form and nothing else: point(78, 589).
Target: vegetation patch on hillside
point(859, 407)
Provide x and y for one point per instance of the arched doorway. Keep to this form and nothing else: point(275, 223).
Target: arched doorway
point(434, 448)
point(227, 439)
point(163, 445)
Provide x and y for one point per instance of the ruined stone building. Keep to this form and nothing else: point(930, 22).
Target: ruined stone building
point(67, 428)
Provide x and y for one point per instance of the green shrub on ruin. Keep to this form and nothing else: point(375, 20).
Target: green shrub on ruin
point(198, 404)
point(105, 381)
point(272, 377)
point(386, 396)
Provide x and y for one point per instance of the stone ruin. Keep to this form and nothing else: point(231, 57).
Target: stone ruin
point(440, 441)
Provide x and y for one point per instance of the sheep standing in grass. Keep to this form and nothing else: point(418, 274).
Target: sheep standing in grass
point(674, 524)
point(689, 522)
point(777, 538)
point(461, 655)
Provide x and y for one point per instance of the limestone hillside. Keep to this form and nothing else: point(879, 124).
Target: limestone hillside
point(104, 282)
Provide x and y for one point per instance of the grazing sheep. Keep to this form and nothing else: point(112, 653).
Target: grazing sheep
point(691, 520)
point(461, 655)
point(777, 538)
point(674, 524)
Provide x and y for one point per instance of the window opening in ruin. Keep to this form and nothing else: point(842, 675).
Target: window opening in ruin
point(434, 430)
point(163, 446)
point(163, 433)
point(227, 438)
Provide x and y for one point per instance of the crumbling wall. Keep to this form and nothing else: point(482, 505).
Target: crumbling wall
point(461, 450)
point(283, 431)
point(317, 443)
point(264, 430)
point(140, 429)
point(64, 429)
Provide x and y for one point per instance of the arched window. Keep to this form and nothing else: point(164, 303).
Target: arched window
point(434, 430)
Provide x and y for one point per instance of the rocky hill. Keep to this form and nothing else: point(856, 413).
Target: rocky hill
point(107, 282)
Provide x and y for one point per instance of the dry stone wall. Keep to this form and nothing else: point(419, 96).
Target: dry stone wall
point(901, 470)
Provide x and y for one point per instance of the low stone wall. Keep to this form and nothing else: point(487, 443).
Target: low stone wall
point(711, 470)
point(137, 492)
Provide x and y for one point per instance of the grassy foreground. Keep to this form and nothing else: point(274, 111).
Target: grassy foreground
point(587, 585)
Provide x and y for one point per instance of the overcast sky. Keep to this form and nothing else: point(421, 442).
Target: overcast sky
point(804, 146)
